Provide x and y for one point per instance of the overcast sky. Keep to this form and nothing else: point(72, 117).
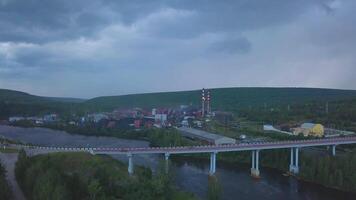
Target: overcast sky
point(84, 48)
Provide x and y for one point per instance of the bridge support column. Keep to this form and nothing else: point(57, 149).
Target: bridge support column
point(255, 172)
point(294, 159)
point(130, 165)
point(212, 163)
point(91, 151)
point(166, 158)
point(333, 150)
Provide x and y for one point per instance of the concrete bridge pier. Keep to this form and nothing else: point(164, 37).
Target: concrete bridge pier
point(130, 165)
point(333, 150)
point(255, 172)
point(294, 158)
point(166, 158)
point(91, 151)
point(212, 163)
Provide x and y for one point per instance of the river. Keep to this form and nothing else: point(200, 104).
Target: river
point(235, 180)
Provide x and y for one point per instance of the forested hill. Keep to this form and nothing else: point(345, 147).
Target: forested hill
point(14, 103)
point(12, 96)
point(223, 98)
point(228, 99)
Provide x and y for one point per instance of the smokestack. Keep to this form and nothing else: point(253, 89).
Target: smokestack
point(203, 102)
point(208, 109)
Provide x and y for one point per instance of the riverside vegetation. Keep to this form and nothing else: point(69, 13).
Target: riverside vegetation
point(83, 176)
point(5, 192)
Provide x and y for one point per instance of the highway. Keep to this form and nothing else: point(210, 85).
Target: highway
point(255, 148)
point(202, 148)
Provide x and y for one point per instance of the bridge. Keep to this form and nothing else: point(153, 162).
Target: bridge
point(213, 150)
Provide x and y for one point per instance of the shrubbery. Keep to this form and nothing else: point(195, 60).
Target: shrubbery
point(337, 171)
point(83, 176)
point(5, 192)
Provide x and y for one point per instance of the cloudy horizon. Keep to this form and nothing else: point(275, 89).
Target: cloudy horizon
point(94, 48)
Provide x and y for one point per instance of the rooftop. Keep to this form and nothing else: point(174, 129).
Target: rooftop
point(201, 133)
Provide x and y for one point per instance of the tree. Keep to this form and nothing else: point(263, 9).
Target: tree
point(94, 189)
point(5, 192)
point(21, 165)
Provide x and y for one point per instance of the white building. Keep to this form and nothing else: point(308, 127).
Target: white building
point(15, 119)
point(50, 118)
point(161, 118)
point(97, 117)
point(206, 136)
point(154, 111)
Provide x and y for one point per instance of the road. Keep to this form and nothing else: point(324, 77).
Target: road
point(9, 160)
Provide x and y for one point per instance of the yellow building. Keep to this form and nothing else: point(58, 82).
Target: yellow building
point(310, 129)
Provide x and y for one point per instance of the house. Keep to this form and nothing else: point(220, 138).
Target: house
point(160, 119)
point(15, 119)
point(111, 124)
point(97, 117)
point(185, 123)
point(50, 118)
point(309, 129)
point(137, 123)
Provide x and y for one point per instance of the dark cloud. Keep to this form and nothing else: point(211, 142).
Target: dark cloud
point(93, 44)
point(216, 16)
point(44, 21)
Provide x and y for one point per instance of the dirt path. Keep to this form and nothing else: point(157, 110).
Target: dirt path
point(9, 160)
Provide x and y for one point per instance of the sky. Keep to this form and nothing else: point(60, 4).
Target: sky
point(93, 48)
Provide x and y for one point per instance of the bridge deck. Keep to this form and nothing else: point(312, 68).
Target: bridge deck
point(228, 147)
point(205, 148)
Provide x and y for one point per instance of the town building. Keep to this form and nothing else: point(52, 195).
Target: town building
point(330, 132)
point(97, 117)
point(50, 118)
point(206, 136)
point(309, 129)
point(15, 119)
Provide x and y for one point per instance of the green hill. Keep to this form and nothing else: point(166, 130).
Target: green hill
point(223, 98)
point(24, 104)
point(228, 99)
point(12, 96)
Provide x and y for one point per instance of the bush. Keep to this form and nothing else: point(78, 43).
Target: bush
point(5, 192)
point(83, 176)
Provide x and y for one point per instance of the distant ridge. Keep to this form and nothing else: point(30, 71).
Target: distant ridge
point(223, 98)
point(229, 99)
point(13, 96)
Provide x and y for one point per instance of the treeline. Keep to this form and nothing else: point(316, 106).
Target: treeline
point(8, 109)
point(5, 191)
point(335, 114)
point(163, 137)
point(82, 176)
point(337, 172)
